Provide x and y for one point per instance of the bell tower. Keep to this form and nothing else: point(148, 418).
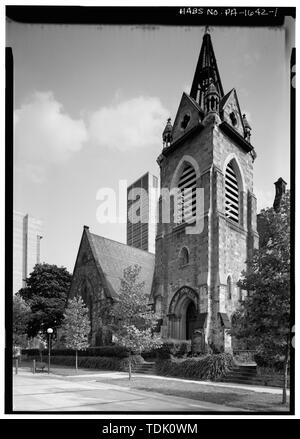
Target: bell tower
point(206, 155)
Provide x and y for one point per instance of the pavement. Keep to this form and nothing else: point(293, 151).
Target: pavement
point(41, 392)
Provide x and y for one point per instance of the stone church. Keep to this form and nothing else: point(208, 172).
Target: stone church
point(192, 278)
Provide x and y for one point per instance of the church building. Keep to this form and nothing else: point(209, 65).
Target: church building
point(193, 276)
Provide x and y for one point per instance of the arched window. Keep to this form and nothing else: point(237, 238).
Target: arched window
point(229, 287)
point(186, 200)
point(184, 256)
point(231, 193)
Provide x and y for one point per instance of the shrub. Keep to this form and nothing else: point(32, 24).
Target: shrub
point(266, 360)
point(207, 367)
point(177, 348)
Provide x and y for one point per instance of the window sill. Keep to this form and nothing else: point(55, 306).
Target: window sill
point(235, 225)
point(183, 225)
point(184, 266)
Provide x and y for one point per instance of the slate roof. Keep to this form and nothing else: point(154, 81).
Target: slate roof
point(113, 257)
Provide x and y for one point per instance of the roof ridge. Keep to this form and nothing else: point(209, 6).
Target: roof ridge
point(122, 243)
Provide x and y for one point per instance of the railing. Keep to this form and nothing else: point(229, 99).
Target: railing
point(244, 356)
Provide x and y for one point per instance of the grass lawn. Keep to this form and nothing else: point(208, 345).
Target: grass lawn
point(239, 398)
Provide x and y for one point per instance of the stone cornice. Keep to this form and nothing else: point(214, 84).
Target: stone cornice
point(234, 135)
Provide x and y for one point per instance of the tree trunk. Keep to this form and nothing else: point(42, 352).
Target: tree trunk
point(76, 360)
point(285, 378)
point(129, 366)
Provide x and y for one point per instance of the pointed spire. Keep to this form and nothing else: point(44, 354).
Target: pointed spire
point(206, 71)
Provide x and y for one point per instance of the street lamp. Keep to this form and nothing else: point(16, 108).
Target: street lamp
point(49, 331)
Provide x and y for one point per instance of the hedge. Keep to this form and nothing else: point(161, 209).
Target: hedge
point(106, 363)
point(101, 351)
point(209, 367)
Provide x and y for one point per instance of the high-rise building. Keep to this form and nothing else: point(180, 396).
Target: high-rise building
point(142, 197)
point(27, 234)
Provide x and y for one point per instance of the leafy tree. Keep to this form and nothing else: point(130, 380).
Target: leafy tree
point(76, 326)
point(263, 319)
point(21, 315)
point(46, 294)
point(134, 322)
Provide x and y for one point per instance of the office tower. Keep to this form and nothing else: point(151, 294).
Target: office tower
point(142, 197)
point(27, 234)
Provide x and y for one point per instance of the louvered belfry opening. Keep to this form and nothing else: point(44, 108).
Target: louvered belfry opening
point(186, 207)
point(231, 194)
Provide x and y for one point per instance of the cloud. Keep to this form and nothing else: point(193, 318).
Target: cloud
point(132, 124)
point(45, 134)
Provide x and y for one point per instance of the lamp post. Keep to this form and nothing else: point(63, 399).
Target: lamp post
point(49, 331)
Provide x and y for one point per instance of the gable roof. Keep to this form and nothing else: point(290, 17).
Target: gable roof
point(195, 103)
point(113, 257)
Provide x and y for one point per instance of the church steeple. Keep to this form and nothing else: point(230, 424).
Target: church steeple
point(206, 72)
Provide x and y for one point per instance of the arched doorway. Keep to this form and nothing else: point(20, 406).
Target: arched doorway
point(183, 311)
point(191, 317)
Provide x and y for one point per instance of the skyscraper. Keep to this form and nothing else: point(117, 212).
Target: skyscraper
point(142, 196)
point(27, 234)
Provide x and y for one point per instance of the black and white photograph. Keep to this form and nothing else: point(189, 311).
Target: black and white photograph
point(150, 201)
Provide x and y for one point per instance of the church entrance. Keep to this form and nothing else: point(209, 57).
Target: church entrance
point(183, 313)
point(191, 317)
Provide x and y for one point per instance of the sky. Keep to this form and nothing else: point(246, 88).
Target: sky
point(91, 103)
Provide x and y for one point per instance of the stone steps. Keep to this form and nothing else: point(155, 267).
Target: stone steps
point(242, 375)
point(247, 374)
point(145, 368)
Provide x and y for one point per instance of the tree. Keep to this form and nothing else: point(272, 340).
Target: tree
point(134, 321)
point(264, 317)
point(76, 326)
point(46, 294)
point(21, 314)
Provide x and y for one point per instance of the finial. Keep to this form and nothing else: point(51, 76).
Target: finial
point(207, 30)
point(247, 128)
point(167, 134)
